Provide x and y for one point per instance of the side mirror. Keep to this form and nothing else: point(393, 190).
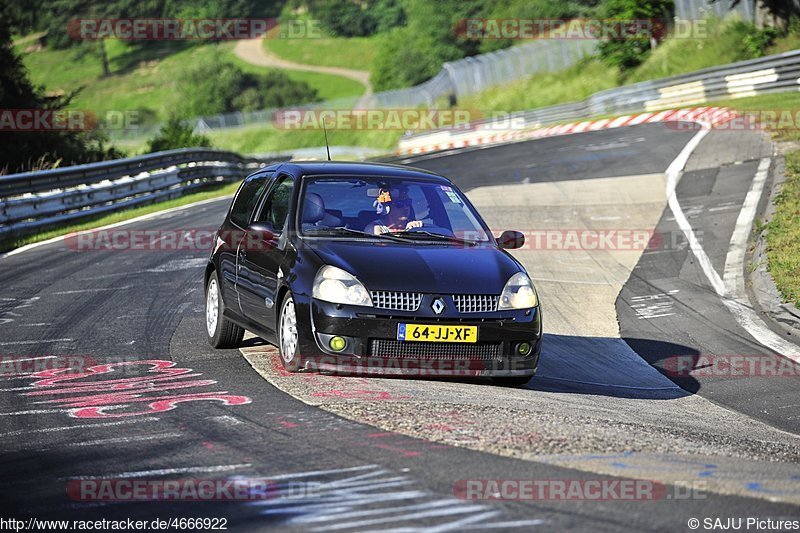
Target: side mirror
point(511, 240)
point(259, 232)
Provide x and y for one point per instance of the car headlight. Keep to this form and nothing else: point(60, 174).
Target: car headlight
point(518, 293)
point(334, 285)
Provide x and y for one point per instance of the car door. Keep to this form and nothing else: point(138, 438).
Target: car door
point(260, 260)
point(233, 230)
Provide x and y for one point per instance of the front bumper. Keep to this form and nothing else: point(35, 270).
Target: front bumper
point(373, 349)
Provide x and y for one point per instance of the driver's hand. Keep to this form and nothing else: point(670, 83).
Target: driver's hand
point(414, 224)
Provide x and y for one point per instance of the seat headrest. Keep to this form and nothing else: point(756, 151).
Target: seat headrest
point(314, 209)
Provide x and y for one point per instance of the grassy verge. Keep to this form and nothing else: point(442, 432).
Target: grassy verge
point(120, 216)
point(726, 42)
point(146, 79)
point(328, 86)
point(783, 231)
point(783, 234)
point(355, 52)
point(266, 139)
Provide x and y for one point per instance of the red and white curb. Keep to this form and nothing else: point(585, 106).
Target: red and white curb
point(705, 116)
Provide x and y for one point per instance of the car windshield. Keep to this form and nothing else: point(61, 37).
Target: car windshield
point(365, 207)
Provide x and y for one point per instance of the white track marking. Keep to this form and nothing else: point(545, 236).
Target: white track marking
point(169, 471)
point(79, 426)
point(115, 225)
point(97, 289)
point(123, 440)
point(13, 343)
point(14, 360)
point(738, 305)
point(35, 412)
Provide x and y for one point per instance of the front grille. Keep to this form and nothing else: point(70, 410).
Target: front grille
point(396, 301)
point(475, 303)
point(481, 351)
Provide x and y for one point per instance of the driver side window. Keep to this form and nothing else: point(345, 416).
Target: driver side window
point(276, 207)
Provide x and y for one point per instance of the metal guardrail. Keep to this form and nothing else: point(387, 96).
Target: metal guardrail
point(35, 200)
point(776, 73)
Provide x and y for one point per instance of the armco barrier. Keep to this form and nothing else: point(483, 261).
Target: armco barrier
point(35, 200)
point(776, 73)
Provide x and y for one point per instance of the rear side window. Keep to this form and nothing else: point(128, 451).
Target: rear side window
point(276, 207)
point(246, 200)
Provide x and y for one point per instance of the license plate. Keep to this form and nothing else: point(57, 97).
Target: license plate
point(430, 333)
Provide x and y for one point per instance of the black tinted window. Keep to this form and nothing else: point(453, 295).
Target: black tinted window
point(276, 208)
point(245, 203)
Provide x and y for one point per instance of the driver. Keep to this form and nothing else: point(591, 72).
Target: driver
point(395, 212)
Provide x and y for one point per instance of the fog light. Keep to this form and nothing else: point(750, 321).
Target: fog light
point(337, 344)
point(524, 348)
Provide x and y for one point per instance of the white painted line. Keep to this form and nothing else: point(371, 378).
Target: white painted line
point(551, 280)
point(79, 426)
point(115, 225)
point(738, 305)
point(35, 412)
point(13, 360)
point(169, 471)
point(123, 440)
point(14, 343)
point(98, 289)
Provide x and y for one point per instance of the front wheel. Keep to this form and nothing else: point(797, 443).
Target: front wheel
point(222, 333)
point(288, 337)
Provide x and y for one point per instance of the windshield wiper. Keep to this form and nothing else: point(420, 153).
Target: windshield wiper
point(349, 231)
point(438, 236)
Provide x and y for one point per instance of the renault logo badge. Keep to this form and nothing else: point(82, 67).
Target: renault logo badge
point(438, 306)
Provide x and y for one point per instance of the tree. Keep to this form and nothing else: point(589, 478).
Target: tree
point(19, 150)
point(175, 134)
point(630, 51)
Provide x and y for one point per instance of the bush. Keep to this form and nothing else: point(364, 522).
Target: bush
point(219, 86)
point(628, 53)
point(348, 18)
point(175, 134)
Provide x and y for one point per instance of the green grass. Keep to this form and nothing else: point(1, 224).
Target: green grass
point(266, 139)
point(217, 191)
point(140, 79)
point(355, 53)
point(146, 79)
point(328, 86)
point(575, 83)
point(726, 43)
point(783, 234)
point(783, 231)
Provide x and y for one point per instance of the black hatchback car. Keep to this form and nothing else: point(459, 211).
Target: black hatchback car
point(371, 268)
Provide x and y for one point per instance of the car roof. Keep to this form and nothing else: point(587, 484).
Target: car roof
point(346, 168)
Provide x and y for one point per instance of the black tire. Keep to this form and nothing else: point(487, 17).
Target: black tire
point(515, 381)
point(224, 333)
point(290, 357)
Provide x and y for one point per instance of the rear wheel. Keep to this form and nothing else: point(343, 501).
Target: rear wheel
point(288, 337)
point(222, 333)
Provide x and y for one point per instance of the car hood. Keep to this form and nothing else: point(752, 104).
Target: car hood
point(421, 267)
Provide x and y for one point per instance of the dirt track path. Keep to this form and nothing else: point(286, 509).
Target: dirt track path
point(252, 51)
